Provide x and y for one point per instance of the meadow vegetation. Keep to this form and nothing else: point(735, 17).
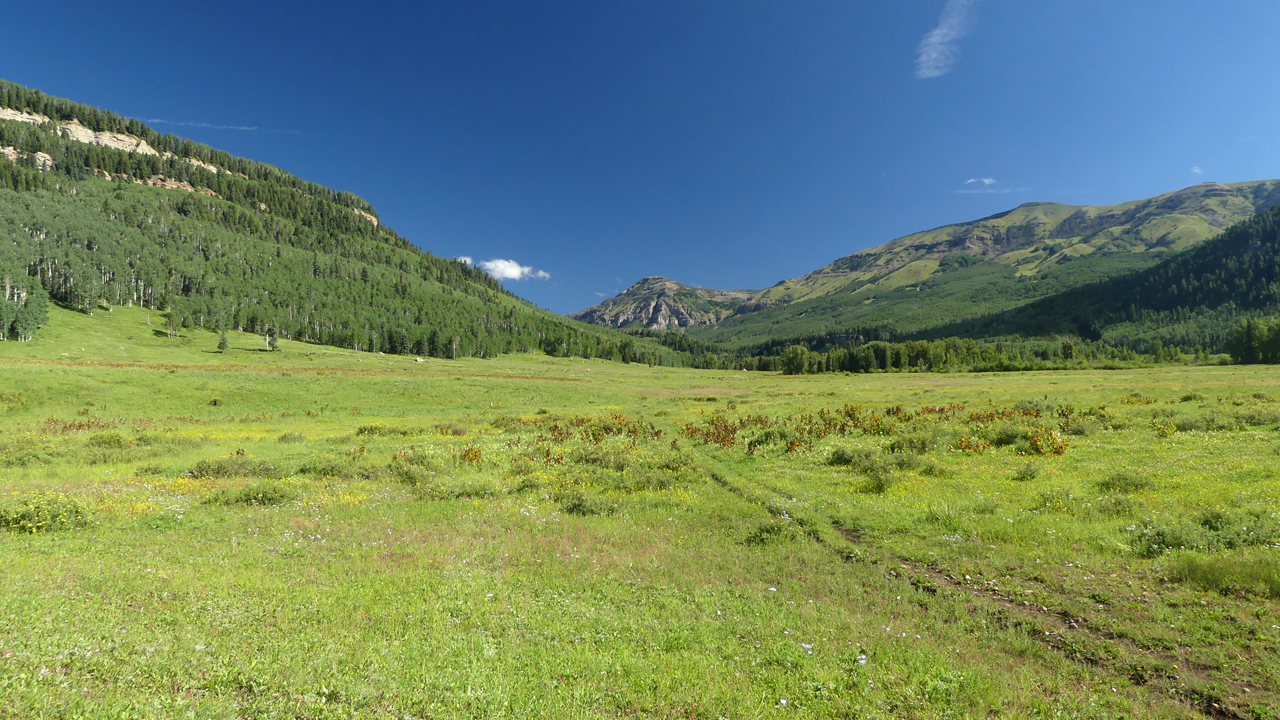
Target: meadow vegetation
point(323, 533)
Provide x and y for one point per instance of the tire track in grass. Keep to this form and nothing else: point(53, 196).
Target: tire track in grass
point(1066, 634)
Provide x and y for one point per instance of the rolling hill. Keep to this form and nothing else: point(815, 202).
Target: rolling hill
point(969, 270)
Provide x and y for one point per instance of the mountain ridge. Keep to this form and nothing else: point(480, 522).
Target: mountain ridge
point(966, 270)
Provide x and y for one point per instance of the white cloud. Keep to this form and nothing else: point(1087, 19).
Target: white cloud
point(512, 270)
point(1197, 170)
point(939, 48)
point(600, 294)
point(986, 186)
point(466, 260)
point(211, 126)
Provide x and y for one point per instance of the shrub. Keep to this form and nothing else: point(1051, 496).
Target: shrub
point(108, 440)
point(1137, 398)
point(918, 443)
point(1114, 506)
point(233, 466)
point(1082, 428)
point(1260, 416)
point(878, 482)
point(608, 457)
point(379, 430)
point(859, 460)
point(968, 444)
point(575, 502)
point(769, 532)
point(1125, 481)
point(265, 493)
point(1005, 434)
point(340, 466)
point(437, 490)
point(1212, 531)
point(1027, 472)
point(771, 436)
point(945, 517)
point(44, 512)
point(1164, 429)
point(1188, 423)
point(1057, 500)
point(1191, 397)
point(291, 437)
point(470, 454)
point(1047, 442)
point(1226, 575)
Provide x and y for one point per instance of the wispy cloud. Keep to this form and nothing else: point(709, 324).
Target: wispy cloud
point(510, 270)
point(600, 294)
point(212, 126)
point(1197, 170)
point(939, 48)
point(986, 186)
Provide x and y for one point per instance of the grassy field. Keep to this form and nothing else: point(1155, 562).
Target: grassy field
point(318, 533)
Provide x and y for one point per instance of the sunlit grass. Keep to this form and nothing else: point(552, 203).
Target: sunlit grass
point(534, 537)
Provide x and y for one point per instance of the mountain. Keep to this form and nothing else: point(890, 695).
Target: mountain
point(969, 270)
point(1195, 298)
point(658, 303)
point(97, 210)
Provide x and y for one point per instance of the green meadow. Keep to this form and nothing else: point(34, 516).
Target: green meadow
point(321, 533)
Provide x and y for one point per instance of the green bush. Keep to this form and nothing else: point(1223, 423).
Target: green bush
point(878, 482)
point(108, 441)
point(341, 466)
point(769, 532)
point(1227, 575)
point(379, 430)
point(1057, 500)
point(43, 512)
point(1212, 531)
point(1114, 506)
point(1006, 434)
point(1260, 416)
point(291, 437)
point(917, 443)
point(265, 493)
point(609, 457)
point(1082, 428)
point(575, 502)
point(1125, 481)
point(859, 460)
point(233, 466)
point(1027, 472)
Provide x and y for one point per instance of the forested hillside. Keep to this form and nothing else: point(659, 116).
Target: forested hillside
point(1196, 298)
point(98, 210)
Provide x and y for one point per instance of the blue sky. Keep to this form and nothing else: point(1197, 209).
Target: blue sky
point(724, 144)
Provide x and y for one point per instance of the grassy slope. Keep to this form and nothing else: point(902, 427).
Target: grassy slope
point(720, 591)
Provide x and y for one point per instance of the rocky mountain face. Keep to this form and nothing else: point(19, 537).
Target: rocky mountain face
point(986, 265)
point(659, 303)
